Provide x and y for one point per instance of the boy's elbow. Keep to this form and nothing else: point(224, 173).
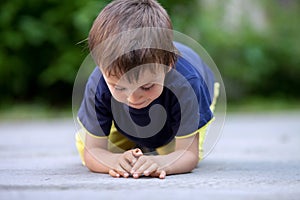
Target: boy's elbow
point(88, 161)
point(193, 161)
point(91, 163)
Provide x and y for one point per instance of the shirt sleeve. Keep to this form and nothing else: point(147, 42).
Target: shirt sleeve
point(93, 113)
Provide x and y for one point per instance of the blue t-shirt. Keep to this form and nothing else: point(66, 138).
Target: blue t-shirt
point(181, 109)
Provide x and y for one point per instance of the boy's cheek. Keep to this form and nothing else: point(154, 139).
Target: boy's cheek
point(119, 97)
point(158, 91)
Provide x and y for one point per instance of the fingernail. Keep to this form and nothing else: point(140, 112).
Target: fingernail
point(135, 175)
point(146, 173)
point(126, 174)
point(137, 150)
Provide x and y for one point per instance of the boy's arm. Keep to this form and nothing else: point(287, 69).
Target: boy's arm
point(98, 159)
point(184, 159)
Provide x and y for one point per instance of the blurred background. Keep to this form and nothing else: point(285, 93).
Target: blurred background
point(254, 43)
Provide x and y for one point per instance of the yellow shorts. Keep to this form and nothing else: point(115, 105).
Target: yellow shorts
point(119, 143)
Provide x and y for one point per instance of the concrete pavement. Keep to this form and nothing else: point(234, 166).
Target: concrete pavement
point(257, 157)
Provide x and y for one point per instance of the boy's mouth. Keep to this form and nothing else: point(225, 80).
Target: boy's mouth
point(138, 105)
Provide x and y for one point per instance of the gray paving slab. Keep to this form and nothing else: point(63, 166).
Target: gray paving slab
point(257, 157)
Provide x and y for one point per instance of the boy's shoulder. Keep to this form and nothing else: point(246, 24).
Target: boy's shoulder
point(96, 84)
point(190, 71)
point(190, 65)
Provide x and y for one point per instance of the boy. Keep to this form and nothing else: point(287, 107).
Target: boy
point(145, 104)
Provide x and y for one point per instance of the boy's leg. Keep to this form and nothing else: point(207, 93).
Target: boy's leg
point(80, 137)
point(117, 143)
point(202, 131)
point(166, 149)
point(216, 95)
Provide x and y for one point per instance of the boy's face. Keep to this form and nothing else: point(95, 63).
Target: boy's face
point(137, 94)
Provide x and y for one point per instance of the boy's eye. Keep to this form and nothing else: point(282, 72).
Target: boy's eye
point(147, 87)
point(119, 88)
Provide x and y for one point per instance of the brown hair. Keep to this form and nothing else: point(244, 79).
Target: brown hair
point(130, 33)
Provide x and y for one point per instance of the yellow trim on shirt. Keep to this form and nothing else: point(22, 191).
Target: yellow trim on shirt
point(86, 131)
point(200, 130)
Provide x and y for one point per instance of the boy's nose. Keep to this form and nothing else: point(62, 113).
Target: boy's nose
point(134, 97)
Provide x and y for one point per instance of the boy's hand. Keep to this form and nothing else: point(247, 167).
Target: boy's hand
point(147, 166)
point(125, 162)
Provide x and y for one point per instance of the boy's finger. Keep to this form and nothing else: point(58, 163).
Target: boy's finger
point(140, 171)
point(151, 169)
point(130, 157)
point(146, 168)
point(140, 162)
point(137, 152)
point(122, 172)
point(125, 165)
point(113, 173)
point(136, 175)
point(162, 174)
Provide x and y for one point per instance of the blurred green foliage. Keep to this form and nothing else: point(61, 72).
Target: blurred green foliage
point(41, 48)
point(256, 61)
point(39, 52)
